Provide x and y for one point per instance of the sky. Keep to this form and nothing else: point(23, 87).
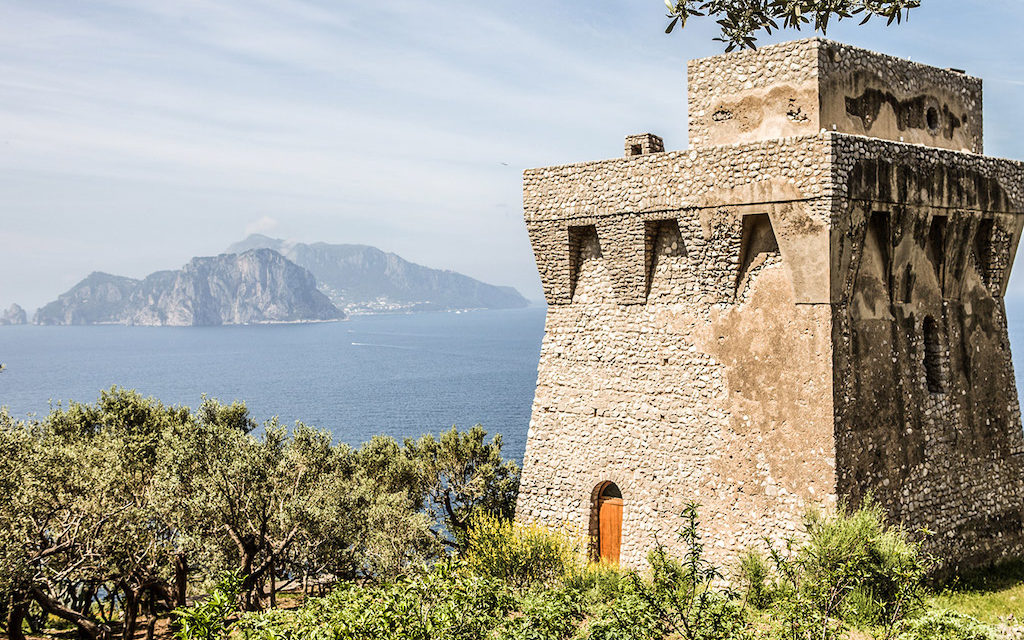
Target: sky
point(135, 134)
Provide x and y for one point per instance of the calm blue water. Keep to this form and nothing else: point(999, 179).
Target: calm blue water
point(400, 375)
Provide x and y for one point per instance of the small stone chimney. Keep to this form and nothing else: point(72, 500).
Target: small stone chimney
point(641, 144)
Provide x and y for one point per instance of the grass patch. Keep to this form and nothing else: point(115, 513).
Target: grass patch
point(992, 595)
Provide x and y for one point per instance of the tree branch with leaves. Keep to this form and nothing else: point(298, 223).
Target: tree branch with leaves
point(741, 21)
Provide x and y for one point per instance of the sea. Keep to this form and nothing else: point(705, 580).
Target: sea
point(395, 375)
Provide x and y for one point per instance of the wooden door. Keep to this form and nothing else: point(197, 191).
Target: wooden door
point(609, 532)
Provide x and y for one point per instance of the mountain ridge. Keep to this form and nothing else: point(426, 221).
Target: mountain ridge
point(364, 279)
point(253, 287)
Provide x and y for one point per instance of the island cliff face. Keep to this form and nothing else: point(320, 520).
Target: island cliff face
point(360, 278)
point(14, 315)
point(257, 286)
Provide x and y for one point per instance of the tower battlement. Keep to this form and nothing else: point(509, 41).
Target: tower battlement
point(806, 306)
point(813, 190)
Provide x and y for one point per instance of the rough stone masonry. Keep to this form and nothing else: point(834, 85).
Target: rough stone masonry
point(804, 307)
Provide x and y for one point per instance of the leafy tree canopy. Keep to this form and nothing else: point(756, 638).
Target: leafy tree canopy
point(461, 474)
point(742, 20)
point(114, 507)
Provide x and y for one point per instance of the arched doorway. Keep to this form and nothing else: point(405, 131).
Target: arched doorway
point(608, 509)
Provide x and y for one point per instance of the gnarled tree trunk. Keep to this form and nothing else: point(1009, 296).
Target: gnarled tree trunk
point(273, 584)
point(86, 627)
point(131, 613)
point(16, 609)
point(180, 579)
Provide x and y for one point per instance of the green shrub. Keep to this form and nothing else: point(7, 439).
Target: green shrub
point(545, 614)
point(599, 582)
point(521, 555)
point(446, 603)
point(208, 619)
point(850, 569)
point(273, 624)
point(643, 611)
point(797, 614)
point(627, 617)
point(947, 625)
point(754, 576)
point(678, 598)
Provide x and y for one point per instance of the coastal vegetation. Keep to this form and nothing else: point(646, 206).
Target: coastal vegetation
point(128, 506)
point(127, 518)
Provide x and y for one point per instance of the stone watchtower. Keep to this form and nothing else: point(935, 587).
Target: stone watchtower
point(805, 306)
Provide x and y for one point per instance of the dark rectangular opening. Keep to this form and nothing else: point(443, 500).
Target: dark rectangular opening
point(878, 238)
point(936, 249)
point(934, 356)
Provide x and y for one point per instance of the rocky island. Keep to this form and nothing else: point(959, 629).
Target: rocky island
point(14, 315)
point(250, 287)
point(363, 279)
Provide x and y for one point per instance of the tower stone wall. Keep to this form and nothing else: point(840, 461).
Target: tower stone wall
point(784, 315)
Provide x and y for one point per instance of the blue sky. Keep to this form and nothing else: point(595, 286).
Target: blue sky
point(136, 133)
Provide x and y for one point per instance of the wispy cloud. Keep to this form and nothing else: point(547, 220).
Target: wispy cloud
point(377, 122)
point(127, 121)
point(265, 224)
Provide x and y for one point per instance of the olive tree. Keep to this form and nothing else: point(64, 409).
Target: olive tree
point(113, 510)
point(242, 500)
point(79, 535)
point(741, 20)
point(463, 474)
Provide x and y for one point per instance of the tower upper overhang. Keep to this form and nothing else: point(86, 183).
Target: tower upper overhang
point(807, 86)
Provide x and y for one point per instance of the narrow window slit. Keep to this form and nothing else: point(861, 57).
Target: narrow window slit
point(933, 357)
point(937, 246)
point(982, 249)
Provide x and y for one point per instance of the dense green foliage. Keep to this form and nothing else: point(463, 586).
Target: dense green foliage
point(208, 620)
point(521, 582)
point(521, 555)
point(444, 602)
point(850, 570)
point(741, 20)
point(117, 508)
point(130, 510)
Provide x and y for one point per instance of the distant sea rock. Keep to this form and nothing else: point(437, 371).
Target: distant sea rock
point(361, 279)
point(252, 287)
point(14, 315)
